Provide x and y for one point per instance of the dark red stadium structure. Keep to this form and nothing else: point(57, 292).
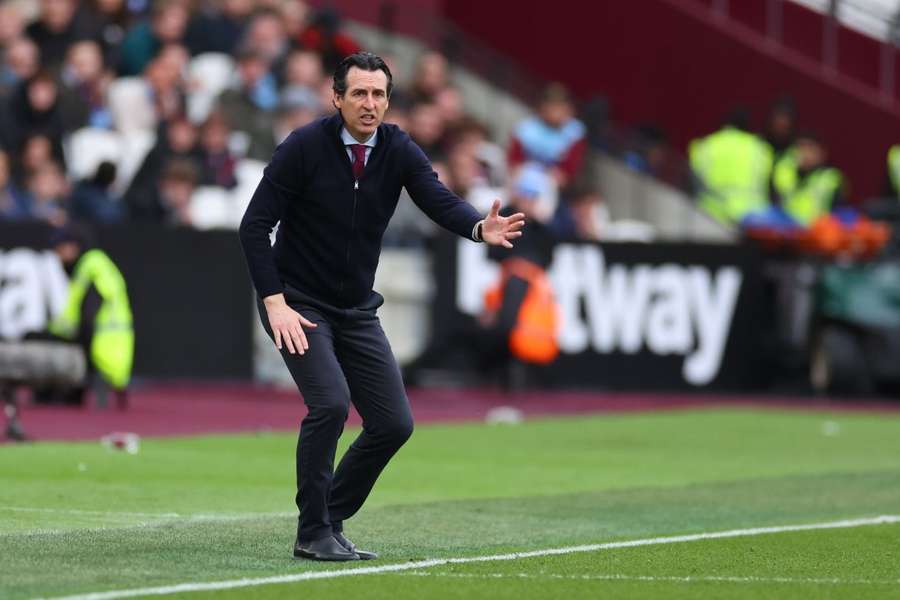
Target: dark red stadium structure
point(162, 410)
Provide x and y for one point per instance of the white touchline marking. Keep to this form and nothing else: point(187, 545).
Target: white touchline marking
point(424, 564)
point(672, 578)
point(88, 513)
point(170, 515)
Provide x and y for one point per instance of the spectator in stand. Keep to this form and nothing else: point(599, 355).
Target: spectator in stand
point(92, 199)
point(731, 168)
point(47, 191)
point(431, 77)
point(176, 187)
point(165, 77)
point(14, 203)
point(553, 137)
point(59, 25)
point(267, 36)
point(586, 218)
point(398, 115)
point(219, 26)
point(114, 19)
point(426, 127)
point(37, 107)
point(295, 15)
point(303, 68)
point(470, 178)
point(595, 113)
point(299, 106)
point(249, 104)
point(12, 25)
point(649, 151)
point(324, 36)
point(781, 125)
point(218, 163)
point(474, 135)
point(21, 61)
point(176, 140)
point(86, 79)
point(35, 151)
point(326, 96)
point(450, 104)
point(806, 186)
point(145, 40)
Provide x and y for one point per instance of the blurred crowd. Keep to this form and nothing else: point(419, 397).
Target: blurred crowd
point(167, 112)
point(780, 178)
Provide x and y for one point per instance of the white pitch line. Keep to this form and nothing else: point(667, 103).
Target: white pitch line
point(667, 578)
point(424, 564)
point(144, 515)
point(87, 513)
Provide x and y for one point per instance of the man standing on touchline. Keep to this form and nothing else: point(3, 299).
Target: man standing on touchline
point(333, 186)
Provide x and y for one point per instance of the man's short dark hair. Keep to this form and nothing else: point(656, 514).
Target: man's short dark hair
point(361, 60)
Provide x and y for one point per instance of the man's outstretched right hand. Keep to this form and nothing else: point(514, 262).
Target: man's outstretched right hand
point(287, 324)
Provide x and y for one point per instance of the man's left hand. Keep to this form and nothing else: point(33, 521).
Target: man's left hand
point(497, 230)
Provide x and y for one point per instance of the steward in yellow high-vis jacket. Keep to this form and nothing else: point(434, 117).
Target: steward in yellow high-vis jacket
point(892, 189)
point(805, 185)
point(97, 313)
point(732, 168)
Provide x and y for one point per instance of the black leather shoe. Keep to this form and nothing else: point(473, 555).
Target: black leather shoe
point(324, 549)
point(351, 547)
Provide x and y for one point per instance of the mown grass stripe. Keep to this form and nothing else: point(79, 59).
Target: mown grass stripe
point(424, 564)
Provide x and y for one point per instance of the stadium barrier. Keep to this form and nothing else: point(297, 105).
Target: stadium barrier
point(189, 291)
point(633, 316)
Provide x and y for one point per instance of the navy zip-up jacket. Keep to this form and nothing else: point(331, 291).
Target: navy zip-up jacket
point(329, 239)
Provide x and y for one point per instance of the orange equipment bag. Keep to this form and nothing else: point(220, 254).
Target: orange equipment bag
point(533, 337)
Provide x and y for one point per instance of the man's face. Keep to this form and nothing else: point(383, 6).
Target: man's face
point(57, 14)
point(169, 24)
point(364, 103)
point(810, 154)
point(22, 57)
point(67, 252)
point(42, 94)
point(556, 113)
point(86, 61)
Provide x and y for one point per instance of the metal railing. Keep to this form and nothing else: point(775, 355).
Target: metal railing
point(881, 23)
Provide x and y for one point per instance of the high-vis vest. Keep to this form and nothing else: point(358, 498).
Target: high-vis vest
point(809, 198)
point(112, 343)
point(733, 167)
point(533, 337)
point(893, 163)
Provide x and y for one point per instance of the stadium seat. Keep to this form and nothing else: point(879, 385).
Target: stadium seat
point(248, 174)
point(86, 148)
point(212, 208)
point(209, 74)
point(135, 147)
point(131, 106)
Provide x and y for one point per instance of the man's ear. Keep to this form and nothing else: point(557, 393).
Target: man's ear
point(335, 101)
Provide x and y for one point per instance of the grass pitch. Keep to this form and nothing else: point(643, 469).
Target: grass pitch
point(76, 518)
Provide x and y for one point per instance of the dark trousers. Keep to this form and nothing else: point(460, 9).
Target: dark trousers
point(349, 360)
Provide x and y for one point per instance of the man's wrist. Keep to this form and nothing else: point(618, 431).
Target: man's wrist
point(478, 231)
point(274, 300)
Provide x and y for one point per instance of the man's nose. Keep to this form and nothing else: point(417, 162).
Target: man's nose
point(369, 102)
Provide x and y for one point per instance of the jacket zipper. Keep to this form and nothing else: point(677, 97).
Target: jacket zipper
point(352, 227)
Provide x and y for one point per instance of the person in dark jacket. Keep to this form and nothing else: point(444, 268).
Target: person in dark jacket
point(333, 186)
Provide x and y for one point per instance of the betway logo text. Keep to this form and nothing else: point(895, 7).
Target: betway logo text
point(33, 287)
point(668, 309)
